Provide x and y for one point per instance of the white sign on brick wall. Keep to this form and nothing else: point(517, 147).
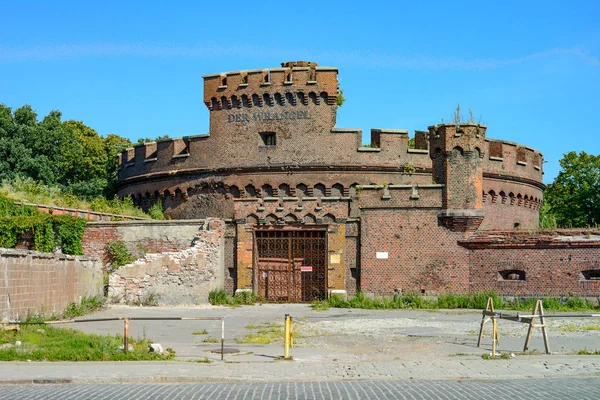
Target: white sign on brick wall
point(381, 255)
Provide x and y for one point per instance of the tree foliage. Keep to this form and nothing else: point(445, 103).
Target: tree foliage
point(69, 154)
point(148, 140)
point(573, 199)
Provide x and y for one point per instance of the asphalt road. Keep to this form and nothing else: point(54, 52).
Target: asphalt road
point(514, 389)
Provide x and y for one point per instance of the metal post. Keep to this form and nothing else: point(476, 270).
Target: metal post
point(286, 338)
point(291, 333)
point(126, 335)
point(494, 336)
point(222, 337)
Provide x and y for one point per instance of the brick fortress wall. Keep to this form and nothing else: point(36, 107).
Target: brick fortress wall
point(547, 263)
point(275, 157)
point(200, 176)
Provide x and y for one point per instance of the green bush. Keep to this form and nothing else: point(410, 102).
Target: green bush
point(219, 297)
point(157, 211)
point(118, 254)
point(49, 231)
point(69, 232)
point(87, 305)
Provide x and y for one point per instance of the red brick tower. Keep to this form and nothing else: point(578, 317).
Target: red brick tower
point(457, 161)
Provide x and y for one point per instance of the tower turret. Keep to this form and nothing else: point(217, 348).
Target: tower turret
point(457, 160)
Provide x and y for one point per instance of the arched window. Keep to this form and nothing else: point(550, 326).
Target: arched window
point(250, 191)
point(267, 190)
point(284, 190)
point(234, 191)
point(337, 190)
point(319, 190)
point(511, 275)
point(301, 190)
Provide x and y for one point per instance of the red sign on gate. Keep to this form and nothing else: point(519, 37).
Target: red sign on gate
point(305, 268)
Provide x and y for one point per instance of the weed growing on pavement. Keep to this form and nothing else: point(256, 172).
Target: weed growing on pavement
point(451, 301)
point(488, 356)
point(61, 344)
point(204, 360)
point(87, 305)
point(266, 334)
point(202, 332)
point(578, 328)
point(458, 355)
point(532, 352)
point(586, 352)
point(220, 297)
point(211, 340)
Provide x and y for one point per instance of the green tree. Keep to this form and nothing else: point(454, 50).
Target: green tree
point(574, 196)
point(19, 151)
point(84, 160)
point(147, 140)
point(113, 146)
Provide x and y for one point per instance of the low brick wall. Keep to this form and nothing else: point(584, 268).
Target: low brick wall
point(181, 277)
point(552, 263)
point(36, 283)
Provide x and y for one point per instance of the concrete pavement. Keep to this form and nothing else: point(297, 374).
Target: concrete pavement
point(335, 345)
point(298, 370)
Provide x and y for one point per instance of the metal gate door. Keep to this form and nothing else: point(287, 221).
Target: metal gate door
point(291, 264)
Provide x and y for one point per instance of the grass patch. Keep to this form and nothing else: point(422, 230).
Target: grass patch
point(266, 334)
point(29, 191)
point(87, 305)
point(202, 332)
point(458, 355)
point(452, 301)
point(586, 352)
point(73, 310)
point(61, 344)
point(532, 352)
point(219, 297)
point(211, 340)
point(503, 356)
point(590, 327)
point(578, 328)
point(204, 360)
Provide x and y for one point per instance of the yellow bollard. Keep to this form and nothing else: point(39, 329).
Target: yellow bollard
point(291, 333)
point(494, 336)
point(287, 337)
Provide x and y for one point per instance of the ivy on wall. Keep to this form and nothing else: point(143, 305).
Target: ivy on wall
point(49, 231)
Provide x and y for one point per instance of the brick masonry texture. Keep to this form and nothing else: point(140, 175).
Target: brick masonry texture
point(179, 277)
point(42, 283)
point(139, 236)
point(274, 159)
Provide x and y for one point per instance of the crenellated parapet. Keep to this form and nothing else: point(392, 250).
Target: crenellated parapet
point(294, 83)
point(507, 158)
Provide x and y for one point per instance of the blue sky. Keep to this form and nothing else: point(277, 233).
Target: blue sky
point(530, 69)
